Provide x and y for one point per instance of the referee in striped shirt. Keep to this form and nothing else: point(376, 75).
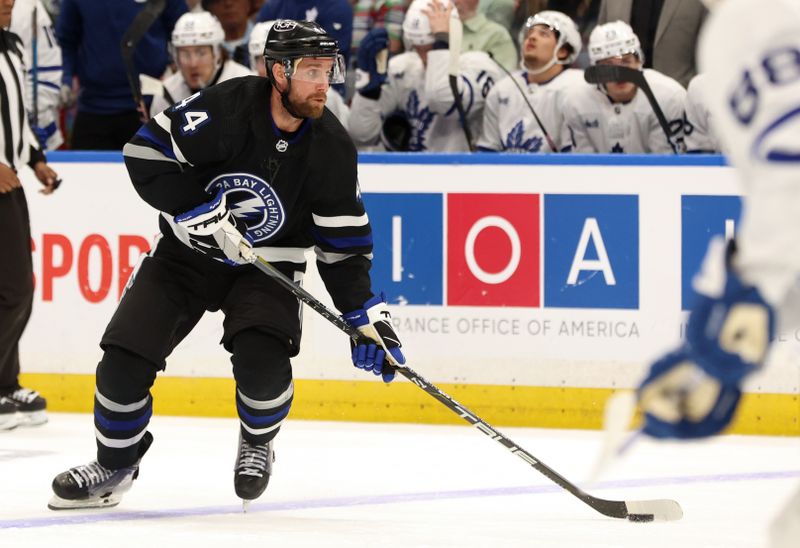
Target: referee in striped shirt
point(18, 146)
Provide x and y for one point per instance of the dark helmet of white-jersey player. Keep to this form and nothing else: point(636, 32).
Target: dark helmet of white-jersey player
point(297, 46)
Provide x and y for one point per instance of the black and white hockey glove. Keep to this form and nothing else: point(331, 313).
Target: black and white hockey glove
point(215, 231)
point(370, 352)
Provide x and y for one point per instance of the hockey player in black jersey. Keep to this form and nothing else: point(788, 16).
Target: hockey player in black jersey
point(251, 165)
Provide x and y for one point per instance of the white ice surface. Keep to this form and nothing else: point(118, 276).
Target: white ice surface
point(350, 484)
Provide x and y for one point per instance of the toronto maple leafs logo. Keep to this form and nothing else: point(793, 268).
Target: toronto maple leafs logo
point(516, 142)
point(420, 120)
point(252, 200)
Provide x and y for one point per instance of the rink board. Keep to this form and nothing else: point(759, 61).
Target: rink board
point(528, 287)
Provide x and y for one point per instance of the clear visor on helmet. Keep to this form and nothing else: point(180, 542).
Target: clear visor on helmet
point(316, 70)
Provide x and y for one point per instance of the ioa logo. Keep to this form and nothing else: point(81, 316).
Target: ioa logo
point(252, 200)
point(284, 25)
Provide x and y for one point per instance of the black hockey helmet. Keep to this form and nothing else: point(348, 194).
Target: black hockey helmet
point(289, 43)
point(289, 39)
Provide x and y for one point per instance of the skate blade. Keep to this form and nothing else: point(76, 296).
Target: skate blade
point(57, 503)
point(245, 505)
point(32, 418)
point(9, 422)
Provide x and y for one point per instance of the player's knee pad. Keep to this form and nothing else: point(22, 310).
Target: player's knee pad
point(124, 376)
point(122, 406)
point(264, 388)
point(261, 364)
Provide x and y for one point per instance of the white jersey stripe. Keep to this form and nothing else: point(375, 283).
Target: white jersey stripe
point(340, 221)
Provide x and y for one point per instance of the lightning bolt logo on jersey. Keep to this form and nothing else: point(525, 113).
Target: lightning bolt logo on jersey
point(252, 200)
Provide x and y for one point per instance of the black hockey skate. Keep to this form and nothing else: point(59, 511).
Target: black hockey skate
point(93, 485)
point(30, 406)
point(9, 418)
point(253, 469)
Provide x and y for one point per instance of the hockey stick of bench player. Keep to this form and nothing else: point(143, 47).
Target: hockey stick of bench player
point(547, 137)
point(641, 510)
point(143, 20)
point(602, 74)
point(35, 67)
point(454, 46)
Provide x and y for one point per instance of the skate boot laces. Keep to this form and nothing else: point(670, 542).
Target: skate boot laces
point(253, 459)
point(91, 475)
point(24, 395)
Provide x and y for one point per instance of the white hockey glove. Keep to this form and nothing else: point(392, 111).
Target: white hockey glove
point(215, 231)
point(694, 391)
point(370, 352)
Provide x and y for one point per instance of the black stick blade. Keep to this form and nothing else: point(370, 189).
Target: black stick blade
point(602, 74)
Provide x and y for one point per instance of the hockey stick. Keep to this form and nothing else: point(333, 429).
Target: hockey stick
point(602, 74)
point(454, 46)
point(143, 20)
point(35, 68)
point(641, 510)
point(547, 137)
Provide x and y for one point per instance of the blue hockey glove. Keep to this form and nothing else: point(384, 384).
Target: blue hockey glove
point(694, 392)
point(369, 353)
point(215, 231)
point(44, 133)
point(373, 54)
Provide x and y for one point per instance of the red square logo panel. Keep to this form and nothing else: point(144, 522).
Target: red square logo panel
point(493, 250)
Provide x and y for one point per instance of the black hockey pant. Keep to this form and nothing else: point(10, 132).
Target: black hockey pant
point(16, 283)
point(169, 294)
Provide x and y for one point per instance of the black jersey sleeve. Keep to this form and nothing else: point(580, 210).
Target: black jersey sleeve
point(341, 228)
point(165, 154)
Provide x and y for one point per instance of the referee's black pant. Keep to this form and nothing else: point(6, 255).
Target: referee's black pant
point(16, 283)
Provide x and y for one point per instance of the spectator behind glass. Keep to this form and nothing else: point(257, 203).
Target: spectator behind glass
point(197, 50)
point(615, 117)
point(235, 18)
point(90, 32)
point(375, 14)
point(550, 43)
point(480, 34)
point(668, 30)
point(46, 70)
point(499, 11)
point(335, 16)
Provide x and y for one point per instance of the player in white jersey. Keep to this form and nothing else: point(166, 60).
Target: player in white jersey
point(746, 290)
point(197, 49)
point(616, 117)
point(416, 84)
point(699, 136)
point(46, 69)
point(550, 42)
point(258, 38)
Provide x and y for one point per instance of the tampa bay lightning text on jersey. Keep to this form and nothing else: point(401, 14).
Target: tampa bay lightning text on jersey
point(294, 191)
point(252, 200)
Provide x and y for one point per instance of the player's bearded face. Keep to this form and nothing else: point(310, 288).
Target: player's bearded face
point(310, 87)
